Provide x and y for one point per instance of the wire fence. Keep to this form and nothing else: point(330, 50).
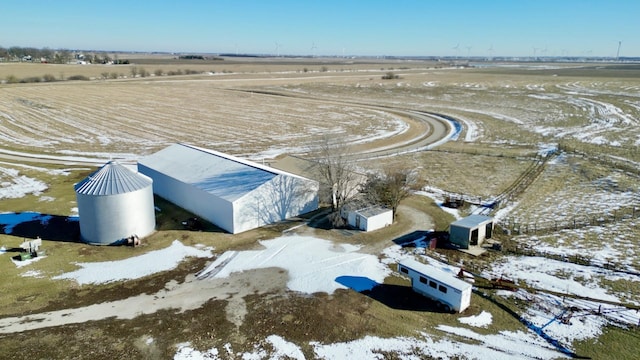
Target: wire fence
point(514, 226)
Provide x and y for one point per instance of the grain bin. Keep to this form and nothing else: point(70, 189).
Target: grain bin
point(115, 203)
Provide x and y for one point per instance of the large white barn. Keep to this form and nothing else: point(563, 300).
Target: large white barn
point(234, 194)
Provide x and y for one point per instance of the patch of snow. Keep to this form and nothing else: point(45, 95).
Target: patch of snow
point(313, 264)
point(483, 319)
point(32, 273)
point(504, 212)
point(186, 352)
point(24, 263)
point(437, 196)
point(513, 344)
point(543, 273)
point(17, 185)
point(135, 267)
point(502, 346)
point(284, 348)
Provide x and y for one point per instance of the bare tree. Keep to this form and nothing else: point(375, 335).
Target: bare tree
point(337, 173)
point(389, 188)
point(62, 56)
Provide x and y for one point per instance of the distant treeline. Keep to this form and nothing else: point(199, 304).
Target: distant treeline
point(199, 57)
point(58, 56)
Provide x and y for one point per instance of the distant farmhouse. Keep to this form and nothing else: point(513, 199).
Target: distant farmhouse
point(234, 194)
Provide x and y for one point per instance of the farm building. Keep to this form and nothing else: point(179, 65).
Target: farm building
point(115, 203)
point(234, 194)
point(370, 218)
point(471, 231)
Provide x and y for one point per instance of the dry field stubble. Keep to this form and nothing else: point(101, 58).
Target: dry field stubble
point(124, 118)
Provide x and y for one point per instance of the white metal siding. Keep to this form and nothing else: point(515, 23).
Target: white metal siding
point(203, 204)
point(379, 221)
point(232, 193)
point(280, 198)
point(107, 219)
point(458, 295)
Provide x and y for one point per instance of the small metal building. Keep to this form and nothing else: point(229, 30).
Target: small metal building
point(471, 231)
point(115, 203)
point(370, 218)
point(234, 194)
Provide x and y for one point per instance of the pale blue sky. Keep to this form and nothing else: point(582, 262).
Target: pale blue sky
point(328, 27)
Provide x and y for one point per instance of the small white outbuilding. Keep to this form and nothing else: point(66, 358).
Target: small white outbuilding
point(370, 218)
point(471, 231)
point(115, 203)
point(234, 194)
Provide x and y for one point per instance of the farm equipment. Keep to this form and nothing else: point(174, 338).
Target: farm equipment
point(31, 249)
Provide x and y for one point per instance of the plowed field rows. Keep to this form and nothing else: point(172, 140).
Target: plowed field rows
point(141, 117)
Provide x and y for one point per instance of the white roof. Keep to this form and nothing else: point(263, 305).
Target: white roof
point(220, 174)
point(112, 179)
point(372, 211)
point(436, 274)
point(472, 221)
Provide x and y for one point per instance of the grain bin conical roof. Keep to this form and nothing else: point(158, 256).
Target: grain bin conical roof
point(112, 179)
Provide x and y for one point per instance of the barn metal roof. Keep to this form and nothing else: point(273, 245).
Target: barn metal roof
point(222, 175)
point(372, 211)
point(112, 179)
point(472, 221)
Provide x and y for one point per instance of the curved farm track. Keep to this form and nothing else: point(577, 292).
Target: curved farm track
point(424, 129)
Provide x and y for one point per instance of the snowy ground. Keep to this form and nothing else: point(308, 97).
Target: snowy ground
point(313, 265)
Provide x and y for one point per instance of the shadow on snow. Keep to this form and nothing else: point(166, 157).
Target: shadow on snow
point(47, 227)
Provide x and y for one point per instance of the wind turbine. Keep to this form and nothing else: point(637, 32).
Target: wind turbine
point(313, 49)
point(618, 52)
point(490, 50)
point(468, 50)
point(457, 49)
point(544, 51)
point(278, 49)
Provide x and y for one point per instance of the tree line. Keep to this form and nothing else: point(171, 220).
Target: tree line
point(56, 56)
